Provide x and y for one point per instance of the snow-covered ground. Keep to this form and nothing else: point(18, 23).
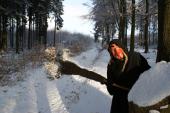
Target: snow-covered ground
point(68, 94)
point(75, 94)
point(152, 86)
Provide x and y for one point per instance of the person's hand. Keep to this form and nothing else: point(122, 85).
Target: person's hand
point(104, 82)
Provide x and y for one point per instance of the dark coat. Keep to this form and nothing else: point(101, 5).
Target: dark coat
point(125, 78)
point(136, 65)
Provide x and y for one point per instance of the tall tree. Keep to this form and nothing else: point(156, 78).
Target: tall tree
point(163, 30)
point(132, 37)
point(146, 25)
point(122, 21)
point(4, 23)
point(57, 11)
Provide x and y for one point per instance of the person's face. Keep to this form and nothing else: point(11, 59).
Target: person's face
point(117, 52)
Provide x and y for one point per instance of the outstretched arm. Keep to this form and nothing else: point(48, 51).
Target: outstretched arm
point(71, 68)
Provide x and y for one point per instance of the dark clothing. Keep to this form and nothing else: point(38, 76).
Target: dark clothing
point(119, 103)
point(136, 65)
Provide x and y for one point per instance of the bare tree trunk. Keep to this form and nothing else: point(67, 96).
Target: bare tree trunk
point(12, 33)
point(54, 40)
point(37, 28)
point(45, 30)
point(153, 33)
point(32, 31)
point(0, 33)
point(153, 38)
point(29, 30)
point(125, 36)
point(107, 33)
point(146, 27)
point(22, 32)
point(121, 29)
point(122, 22)
point(17, 36)
point(132, 37)
point(163, 30)
point(4, 32)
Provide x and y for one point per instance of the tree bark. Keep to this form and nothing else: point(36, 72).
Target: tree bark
point(0, 33)
point(45, 30)
point(107, 33)
point(163, 30)
point(54, 40)
point(122, 23)
point(146, 27)
point(17, 35)
point(12, 33)
point(4, 32)
point(132, 37)
point(29, 29)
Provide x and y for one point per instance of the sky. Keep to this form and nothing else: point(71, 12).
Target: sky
point(73, 12)
point(73, 21)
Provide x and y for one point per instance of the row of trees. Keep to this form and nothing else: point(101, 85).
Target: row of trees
point(149, 17)
point(117, 15)
point(23, 23)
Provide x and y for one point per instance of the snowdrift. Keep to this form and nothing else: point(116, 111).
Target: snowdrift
point(151, 93)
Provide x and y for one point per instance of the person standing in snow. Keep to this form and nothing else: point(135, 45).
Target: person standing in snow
point(123, 69)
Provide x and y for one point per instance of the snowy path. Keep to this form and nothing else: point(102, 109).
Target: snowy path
point(69, 94)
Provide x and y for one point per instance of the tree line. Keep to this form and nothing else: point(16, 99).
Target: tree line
point(23, 23)
point(117, 15)
point(149, 18)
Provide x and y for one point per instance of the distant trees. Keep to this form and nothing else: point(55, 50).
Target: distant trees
point(111, 16)
point(147, 22)
point(144, 16)
point(103, 13)
point(14, 16)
